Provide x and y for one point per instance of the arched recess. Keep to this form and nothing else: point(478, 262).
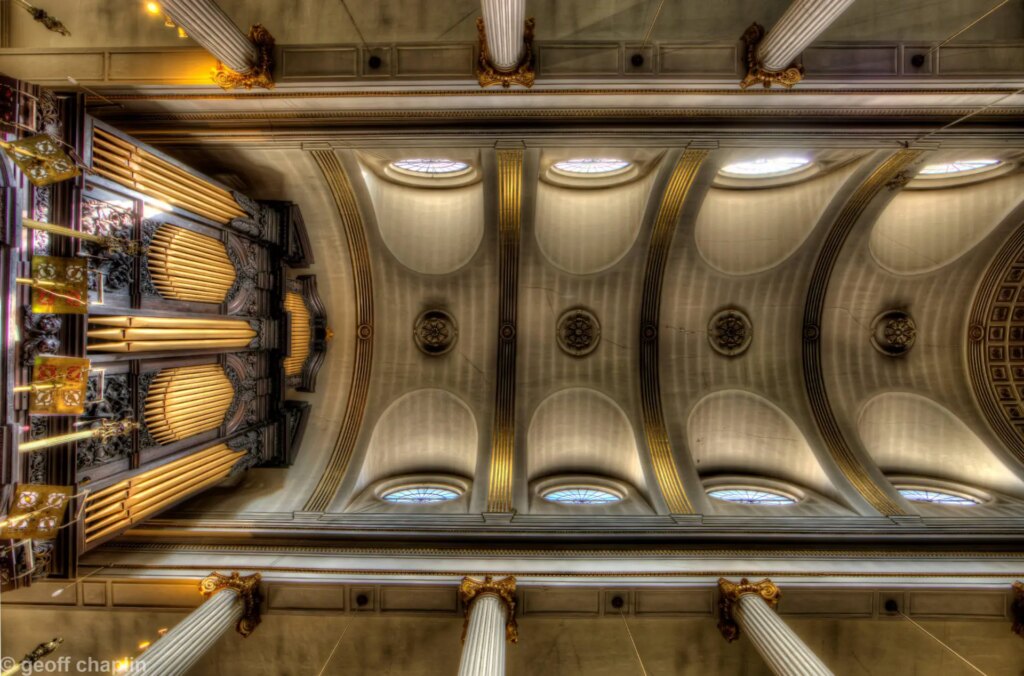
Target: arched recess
point(908, 434)
point(581, 431)
point(583, 231)
point(739, 432)
point(742, 232)
point(429, 230)
point(429, 431)
point(924, 230)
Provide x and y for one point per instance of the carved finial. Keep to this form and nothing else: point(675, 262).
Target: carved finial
point(731, 593)
point(248, 587)
point(471, 589)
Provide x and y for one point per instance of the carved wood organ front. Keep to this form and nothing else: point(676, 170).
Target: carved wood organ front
point(193, 320)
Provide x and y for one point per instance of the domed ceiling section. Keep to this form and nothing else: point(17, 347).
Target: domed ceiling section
point(753, 221)
point(741, 433)
point(581, 431)
point(589, 212)
point(925, 228)
point(426, 432)
point(429, 206)
point(908, 434)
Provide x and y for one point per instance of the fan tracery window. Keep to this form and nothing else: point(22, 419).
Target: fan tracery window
point(420, 495)
point(959, 167)
point(751, 496)
point(765, 167)
point(936, 497)
point(431, 166)
point(592, 166)
point(581, 495)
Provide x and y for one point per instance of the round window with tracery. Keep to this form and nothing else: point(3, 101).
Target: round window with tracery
point(420, 495)
point(430, 167)
point(766, 167)
point(581, 495)
point(936, 497)
point(751, 496)
point(958, 167)
point(592, 166)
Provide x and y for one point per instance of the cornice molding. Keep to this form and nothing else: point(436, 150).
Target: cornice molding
point(656, 436)
point(839, 448)
point(355, 236)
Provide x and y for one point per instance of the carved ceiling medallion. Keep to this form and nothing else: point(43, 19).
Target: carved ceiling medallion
point(578, 332)
point(730, 332)
point(893, 332)
point(435, 332)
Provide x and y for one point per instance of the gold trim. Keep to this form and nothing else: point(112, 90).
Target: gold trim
point(261, 74)
point(248, 588)
point(472, 589)
point(510, 198)
point(358, 249)
point(655, 432)
point(756, 73)
point(839, 449)
point(523, 72)
point(729, 595)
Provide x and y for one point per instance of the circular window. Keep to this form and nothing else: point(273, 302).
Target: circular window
point(936, 497)
point(959, 167)
point(766, 167)
point(591, 166)
point(581, 495)
point(420, 495)
point(431, 167)
point(751, 496)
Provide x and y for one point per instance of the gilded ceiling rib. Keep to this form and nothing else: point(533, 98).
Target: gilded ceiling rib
point(510, 202)
point(814, 377)
point(655, 434)
point(355, 236)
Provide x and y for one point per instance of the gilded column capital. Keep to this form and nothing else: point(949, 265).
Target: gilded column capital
point(730, 593)
point(261, 74)
point(247, 586)
point(472, 589)
point(522, 74)
point(1017, 609)
point(752, 38)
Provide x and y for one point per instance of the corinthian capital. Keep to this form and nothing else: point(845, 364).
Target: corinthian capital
point(472, 589)
point(248, 588)
point(730, 593)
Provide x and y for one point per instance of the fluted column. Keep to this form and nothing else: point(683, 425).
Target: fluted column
point(490, 621)
point(206, 23)
point(230, 600)
point(771, 56)
point(504, 21)
point(802, 23)
point(751, 607)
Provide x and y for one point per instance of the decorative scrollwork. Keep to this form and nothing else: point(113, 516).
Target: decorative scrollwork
point(730, 332)
point(435, 332)
point(243, 297)
point(115, 405)
point(252, 443)
point(149, 229)
point(241, 372)
point(755, 73)
point(40, 335)
point(255, 225)
point(248, 588)
point(118, 251)
point(893, 333)
point(730, 594)
point(578, 332)
point(146, 439)
point(505, 589)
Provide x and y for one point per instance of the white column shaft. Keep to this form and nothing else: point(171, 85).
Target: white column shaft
point(483, 653)
point(180, 648)
point(503, 21)
point(782, 650)
point(206, 23)
point(802, 23)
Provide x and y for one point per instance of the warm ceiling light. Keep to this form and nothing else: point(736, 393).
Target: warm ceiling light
point(592, 166)
point(433, 166)
point(181, 33)
point(144, 644)
point(959, 167)
point(766, 167)
point(152, 8)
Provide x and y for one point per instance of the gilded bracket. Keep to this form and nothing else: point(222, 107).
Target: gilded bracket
point(505, 589)
point(1017, 609)
point(523, 73)
point(261, 74)
point(248, 587)
point(755, 73)
point(730, 595)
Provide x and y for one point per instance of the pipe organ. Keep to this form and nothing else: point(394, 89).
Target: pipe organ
point(192, 336)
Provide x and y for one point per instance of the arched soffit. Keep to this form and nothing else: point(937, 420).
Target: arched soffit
point(734, 431)
point(923, 230)
point(580, 430)
point(430, 230)
point(424, 431)
point(741, 232)
point(907, 433)
point(583, 231)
